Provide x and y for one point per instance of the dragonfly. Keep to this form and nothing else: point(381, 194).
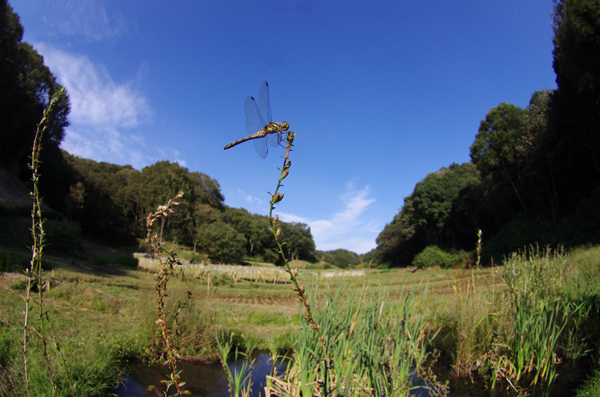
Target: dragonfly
point(259, 124)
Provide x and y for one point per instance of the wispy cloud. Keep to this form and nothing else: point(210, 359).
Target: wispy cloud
point(104, 114)
point(86, 19)
point(347, 228)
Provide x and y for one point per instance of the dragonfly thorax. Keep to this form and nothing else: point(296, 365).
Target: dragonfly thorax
point(273, 127)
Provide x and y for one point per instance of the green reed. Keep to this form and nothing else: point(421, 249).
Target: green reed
point(376, 343)
point(539, 313)
point(239, 380)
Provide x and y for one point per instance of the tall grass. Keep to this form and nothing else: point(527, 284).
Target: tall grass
point(539, 311)
point(377, 345)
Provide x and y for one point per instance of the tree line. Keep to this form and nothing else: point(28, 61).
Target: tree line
point(534, 173)
point(111, 203)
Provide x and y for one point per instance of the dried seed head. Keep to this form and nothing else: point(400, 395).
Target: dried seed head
point(277, 233)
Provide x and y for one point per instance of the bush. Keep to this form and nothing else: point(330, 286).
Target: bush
point(433, 256)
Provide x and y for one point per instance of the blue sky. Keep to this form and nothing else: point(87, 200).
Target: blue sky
point(380, 93)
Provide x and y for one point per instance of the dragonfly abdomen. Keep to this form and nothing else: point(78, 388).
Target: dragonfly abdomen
point(258, 134)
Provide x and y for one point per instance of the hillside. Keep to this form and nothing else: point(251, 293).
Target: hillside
point(13, 192)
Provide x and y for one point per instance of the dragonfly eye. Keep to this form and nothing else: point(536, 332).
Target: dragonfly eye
point(284, 125)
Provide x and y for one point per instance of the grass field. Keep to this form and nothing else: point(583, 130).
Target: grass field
point(103, 312)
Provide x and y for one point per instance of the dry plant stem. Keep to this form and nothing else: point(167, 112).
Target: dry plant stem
point(162, 278)
point(34, 273)
point(297, 287)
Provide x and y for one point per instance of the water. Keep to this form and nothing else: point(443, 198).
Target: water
point(210, 380)
point(201, 379)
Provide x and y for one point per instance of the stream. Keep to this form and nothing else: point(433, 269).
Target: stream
point(210, 380)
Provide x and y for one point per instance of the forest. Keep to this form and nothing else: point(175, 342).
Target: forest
point(533, 176)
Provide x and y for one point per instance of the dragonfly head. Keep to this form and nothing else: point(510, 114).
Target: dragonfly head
point(284, 126)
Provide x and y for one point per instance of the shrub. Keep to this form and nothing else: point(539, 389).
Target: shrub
point(433, 256)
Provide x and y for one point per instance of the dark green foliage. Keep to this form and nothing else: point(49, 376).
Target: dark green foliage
point(26, 86)
point(400, 240)
point(369, 258)
point(495, 150)
point(576, 141)
point(100, 198)
point(430, 216)
point(222, 243)
point(339, 258)
point(253, 227)
point(434, 197)
point(299, 242)
point(434, 256)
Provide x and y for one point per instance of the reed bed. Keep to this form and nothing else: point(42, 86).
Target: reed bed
point(375, 348)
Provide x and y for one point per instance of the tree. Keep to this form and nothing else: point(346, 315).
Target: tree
point(340, 258)
point(26, 86)
point(158, 183)
point(100, 198)
point(577, 100)
point(494, 151)
point(221, 243)
point(433, 198)
point(207, 190)
point(425, 219)
point(537, 151)
point(202, 216)
point(298, 239)
point(255, 232)
point(401, 239)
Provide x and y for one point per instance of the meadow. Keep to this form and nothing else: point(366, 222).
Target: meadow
point(522, 326)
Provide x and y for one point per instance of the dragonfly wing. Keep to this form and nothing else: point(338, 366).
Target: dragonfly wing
point(254, 121)
point(275, 139)
point(263, 102)
point(260, 145)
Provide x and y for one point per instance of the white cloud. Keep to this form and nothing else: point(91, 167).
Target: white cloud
point(104, 114)
point(87, 19)
point(346, 228)
point(96, 100)
point(255, 202)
